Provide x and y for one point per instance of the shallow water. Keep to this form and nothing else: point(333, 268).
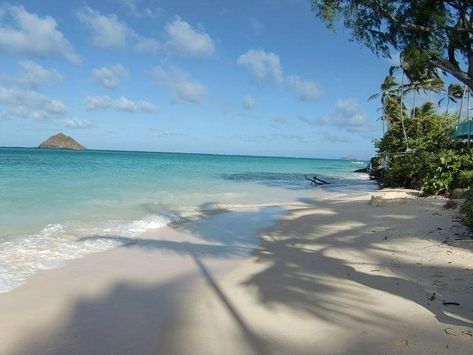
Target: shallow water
point(52, 200)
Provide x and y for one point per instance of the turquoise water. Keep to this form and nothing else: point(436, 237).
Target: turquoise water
point(51, 198)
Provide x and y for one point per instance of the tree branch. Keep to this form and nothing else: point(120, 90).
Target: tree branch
point(382, 11)
point(453, 70)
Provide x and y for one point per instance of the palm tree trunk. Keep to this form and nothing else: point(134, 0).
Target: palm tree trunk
point(461, 104)
point(413, 113)
point(468, 105)
point(468, 118)
point(402, 113)
point(383, 118)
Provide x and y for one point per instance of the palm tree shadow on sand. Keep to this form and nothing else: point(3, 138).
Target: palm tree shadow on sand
point(300, 274)
point(303, 275)
point(127, 311)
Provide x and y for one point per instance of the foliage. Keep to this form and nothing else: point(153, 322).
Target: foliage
point(454, 93)
point(435, 162)
point(429, 131)
point(429, 34)
point(450, 205)
point(467, 209)
point(443, 171)
point(458, 193)
point(434, 173)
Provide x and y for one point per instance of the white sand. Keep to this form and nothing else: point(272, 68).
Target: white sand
point(337, 276)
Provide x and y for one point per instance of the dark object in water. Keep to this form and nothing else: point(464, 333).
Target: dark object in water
point(450, 331)
point(362, 170)
point(316, 181)
point(450, 303)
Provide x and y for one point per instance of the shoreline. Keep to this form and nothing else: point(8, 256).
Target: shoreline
point(53, 245)
point(322, 271)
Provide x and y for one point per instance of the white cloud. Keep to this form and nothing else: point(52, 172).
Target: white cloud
point(107, 30)
point(310, 122)
point(135, 9)
point(109, 76)
point(279, 122)
point(184, 87)
point(348, 115)
point(308, 90)
point(188, 41)
point(264, 66)
point(76, 124)
point(249, 102)
point(147, 45)
point(32, 75)
point(29, 104)
point(94, 103)
point(31, 35)
point(333, 138)
point(291, 137)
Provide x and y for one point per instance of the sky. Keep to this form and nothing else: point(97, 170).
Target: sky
point(216, 76)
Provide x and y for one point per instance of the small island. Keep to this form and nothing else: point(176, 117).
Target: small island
point(349, 157)
point(61, 141)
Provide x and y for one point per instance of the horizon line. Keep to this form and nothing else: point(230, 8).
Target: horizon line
point(189, 153)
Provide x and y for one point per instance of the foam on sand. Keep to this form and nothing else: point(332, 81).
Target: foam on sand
point(22, 256)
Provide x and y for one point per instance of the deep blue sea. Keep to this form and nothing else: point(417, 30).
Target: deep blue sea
point(50, 199)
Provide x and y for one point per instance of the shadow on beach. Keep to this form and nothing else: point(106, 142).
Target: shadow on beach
point(301, 266)
point(304, 271)
point(129, 319)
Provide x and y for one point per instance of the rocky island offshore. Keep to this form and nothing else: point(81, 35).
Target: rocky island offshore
point(61, 141)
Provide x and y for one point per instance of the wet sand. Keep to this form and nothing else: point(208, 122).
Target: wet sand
point(338, 275)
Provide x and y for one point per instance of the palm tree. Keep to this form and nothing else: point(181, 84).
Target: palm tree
point(454, 92)
point(388, 89)
point(433, 84)
point(402, 111)
point(393, 95)
point(465, 89)
point(468, 116)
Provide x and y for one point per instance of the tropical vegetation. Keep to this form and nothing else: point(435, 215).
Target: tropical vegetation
point(430, 34)
point(467, 208)
point(434, 40)
point(418, 148)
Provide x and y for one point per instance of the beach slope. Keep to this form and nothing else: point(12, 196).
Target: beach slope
point(339, 275)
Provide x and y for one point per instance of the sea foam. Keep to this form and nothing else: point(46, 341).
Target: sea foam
point(23, 256)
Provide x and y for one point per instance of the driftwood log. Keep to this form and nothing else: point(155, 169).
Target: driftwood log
point(314, 180)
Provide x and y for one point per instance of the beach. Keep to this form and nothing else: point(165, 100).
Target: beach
point(334, 275)
point(236, 177)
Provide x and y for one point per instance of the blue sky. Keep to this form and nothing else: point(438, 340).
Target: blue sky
point(214, 76)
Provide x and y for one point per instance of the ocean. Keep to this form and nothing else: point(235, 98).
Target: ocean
point(52, 200)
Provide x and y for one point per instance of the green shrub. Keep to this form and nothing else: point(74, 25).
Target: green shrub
point(433, 172)
point(442, 171)
point(450, 204)
point(435, 162)
point(466, 177)
point(457, 193)
point(467, 208)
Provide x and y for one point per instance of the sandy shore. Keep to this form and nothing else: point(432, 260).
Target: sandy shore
point(334, 276)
